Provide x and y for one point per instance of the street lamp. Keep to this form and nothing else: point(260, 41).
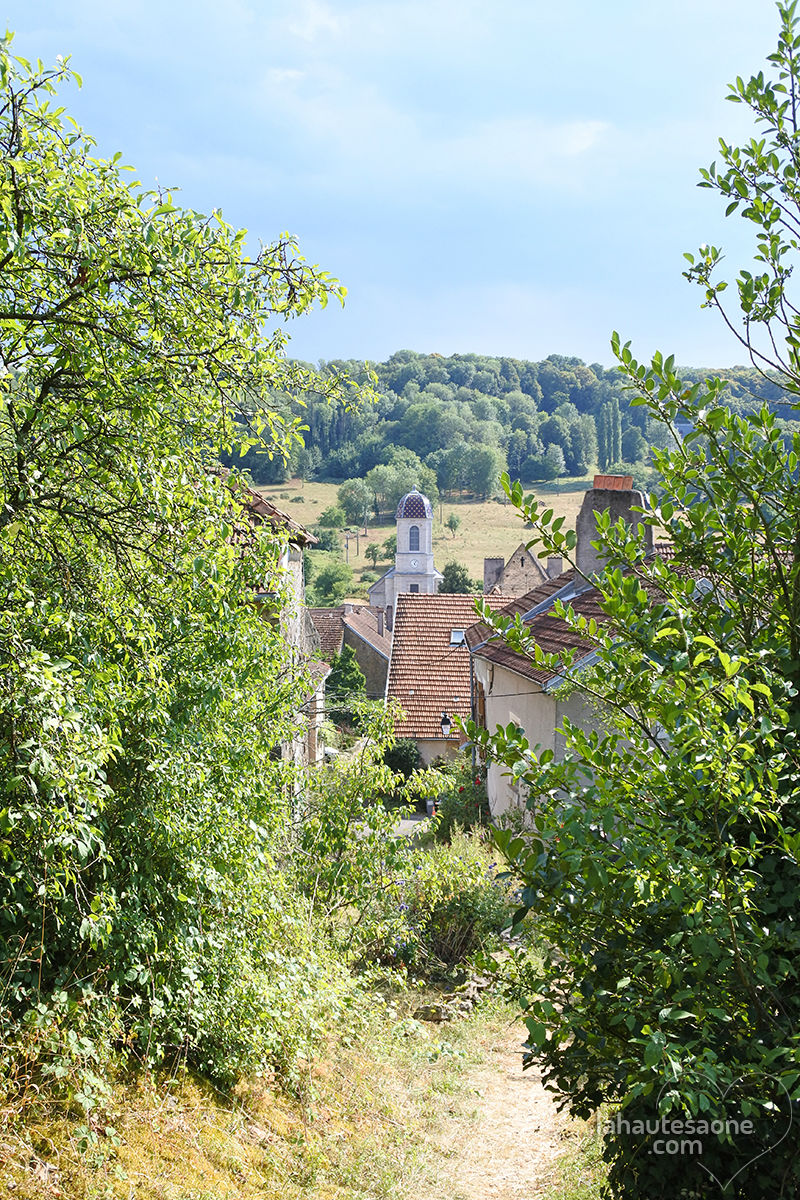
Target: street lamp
point(446, 724)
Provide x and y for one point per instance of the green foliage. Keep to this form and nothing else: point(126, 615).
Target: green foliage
point(345, 687)
point(450, 904)
point(328, 540)
point(143, 700)
point(380, 896)
point(403, 757)
point(663, 862)
point(355, 498)
point(462, 803)
point(332, 580)
point(455, 578)
point(374, 553)
point(390, 545)
point(347, 855)
point(453, 523)
point(389, 482)
point(333, 518)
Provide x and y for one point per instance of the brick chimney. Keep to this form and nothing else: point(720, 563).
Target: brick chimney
point(614, 494)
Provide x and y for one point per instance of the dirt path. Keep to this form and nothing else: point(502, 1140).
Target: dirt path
point(507, 1147)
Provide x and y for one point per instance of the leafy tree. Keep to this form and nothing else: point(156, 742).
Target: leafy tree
point(345, 686)
point(483, 465)
point(455, 578)
point(333, 517)
point(634, 446)
point(609, 434)
point(453, 523)
point(554, 463)
point(403, 757)
point(374, 553)
point(390, 545)
point(665, 865)
point(143, 706)
point(333, 581)
point(329, 540)
point(355, 498)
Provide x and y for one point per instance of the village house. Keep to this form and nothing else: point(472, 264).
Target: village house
point(507, 687)
point(519, 574)
point(429, 669)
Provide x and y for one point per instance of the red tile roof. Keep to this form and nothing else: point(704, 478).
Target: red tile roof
point(364, 623)
point(550, 632)
point(427, 675)
point(361, 618)
point(329, 624)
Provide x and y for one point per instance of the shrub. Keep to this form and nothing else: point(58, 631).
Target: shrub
point(333, 517)
point(403, 757)
point(451, 904)
point(463, 804)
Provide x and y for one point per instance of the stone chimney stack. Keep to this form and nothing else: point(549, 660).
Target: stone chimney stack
point(613, 494)
point(555, 566)
point(492, 570)
point(380, 622)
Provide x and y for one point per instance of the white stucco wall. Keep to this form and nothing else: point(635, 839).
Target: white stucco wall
point(431, 748)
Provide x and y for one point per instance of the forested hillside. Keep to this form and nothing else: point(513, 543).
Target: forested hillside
point(465, 418)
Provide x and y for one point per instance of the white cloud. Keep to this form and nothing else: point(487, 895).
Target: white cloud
point(313, 19)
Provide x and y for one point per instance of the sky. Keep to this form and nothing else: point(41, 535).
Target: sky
point(505, 177)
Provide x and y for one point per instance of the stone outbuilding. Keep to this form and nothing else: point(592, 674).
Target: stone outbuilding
point(362, 628)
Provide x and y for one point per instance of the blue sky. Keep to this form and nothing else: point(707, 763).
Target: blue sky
point(513, 177)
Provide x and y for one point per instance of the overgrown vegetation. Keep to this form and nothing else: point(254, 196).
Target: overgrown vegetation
point(144, 696)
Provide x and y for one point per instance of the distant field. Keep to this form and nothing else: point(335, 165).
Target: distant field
point(487, 530)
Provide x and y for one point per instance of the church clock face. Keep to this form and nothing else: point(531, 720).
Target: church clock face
point(414, 562)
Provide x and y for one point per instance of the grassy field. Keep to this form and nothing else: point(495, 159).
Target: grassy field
point(488, 529)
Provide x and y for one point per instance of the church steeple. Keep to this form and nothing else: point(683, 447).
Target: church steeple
point(414, 569)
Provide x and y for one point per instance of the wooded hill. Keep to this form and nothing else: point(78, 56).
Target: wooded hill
point(467, 417)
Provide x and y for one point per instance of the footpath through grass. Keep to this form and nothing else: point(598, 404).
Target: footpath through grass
point(385, 1110)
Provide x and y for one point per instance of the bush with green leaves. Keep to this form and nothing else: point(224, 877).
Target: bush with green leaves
point(403, 757)
point(333, 517)
point(347, 855)
point(143, 698)
point(452, 905)
point(345, 688)
point(332, 579)
point(462, 804)
point(328, 539)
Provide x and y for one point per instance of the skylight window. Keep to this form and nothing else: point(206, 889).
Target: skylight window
point(457, 637)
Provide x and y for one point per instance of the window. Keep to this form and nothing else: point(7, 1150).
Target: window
point(413, 537)
point(414, 587)
point(456, 637)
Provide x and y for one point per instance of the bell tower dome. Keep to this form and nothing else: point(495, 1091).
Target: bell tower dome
point(413, 570)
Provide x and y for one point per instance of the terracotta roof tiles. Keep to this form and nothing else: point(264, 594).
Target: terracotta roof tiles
point(427, 674)
point(364, 623)
point(329, 624)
